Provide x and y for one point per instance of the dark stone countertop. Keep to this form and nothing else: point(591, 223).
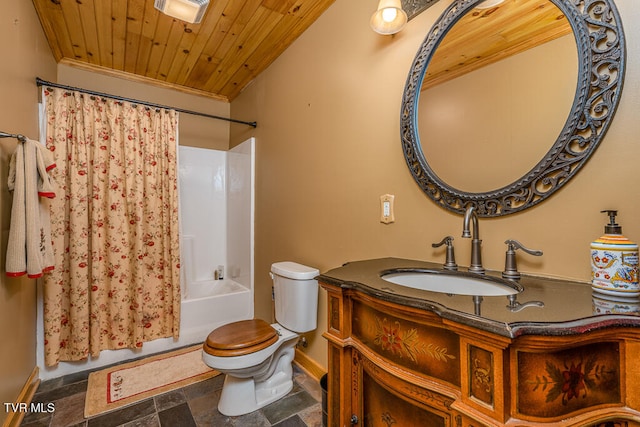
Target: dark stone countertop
point(569, 307)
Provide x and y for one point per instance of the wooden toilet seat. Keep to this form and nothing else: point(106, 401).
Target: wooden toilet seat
point(238, 338)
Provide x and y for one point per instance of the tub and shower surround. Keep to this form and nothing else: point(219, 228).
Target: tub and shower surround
point(114, 226)
point(216, 215)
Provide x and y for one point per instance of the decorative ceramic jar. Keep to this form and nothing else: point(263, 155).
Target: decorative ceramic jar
point(614, 262)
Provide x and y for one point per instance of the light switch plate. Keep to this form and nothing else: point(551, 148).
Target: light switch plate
point(386, 209)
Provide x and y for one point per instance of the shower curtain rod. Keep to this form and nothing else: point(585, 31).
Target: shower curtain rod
point(41, 82)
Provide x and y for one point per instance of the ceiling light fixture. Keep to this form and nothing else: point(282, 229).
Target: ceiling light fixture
point(389, 18)
point(190, 11)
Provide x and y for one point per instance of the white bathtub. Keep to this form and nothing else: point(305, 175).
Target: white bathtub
point(208, 304)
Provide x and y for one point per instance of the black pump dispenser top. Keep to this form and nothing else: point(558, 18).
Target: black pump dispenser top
point(612, 227)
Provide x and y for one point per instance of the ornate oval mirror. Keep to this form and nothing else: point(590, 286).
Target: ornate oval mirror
point(554, 70)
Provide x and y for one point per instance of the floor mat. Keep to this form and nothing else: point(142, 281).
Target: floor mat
point(125, 384)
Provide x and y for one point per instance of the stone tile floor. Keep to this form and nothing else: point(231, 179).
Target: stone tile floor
point(194, 405)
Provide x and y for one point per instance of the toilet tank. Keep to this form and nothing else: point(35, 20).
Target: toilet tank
point(296, 295)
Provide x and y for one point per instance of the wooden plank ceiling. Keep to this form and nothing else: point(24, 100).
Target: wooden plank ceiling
point(484, 36)
point(236, 40)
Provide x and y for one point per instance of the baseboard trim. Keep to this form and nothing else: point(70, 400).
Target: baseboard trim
point(14, 418)
point(310, 366)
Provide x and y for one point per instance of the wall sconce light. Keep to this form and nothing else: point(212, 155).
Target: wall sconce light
point(190, 11)
point(389, 18)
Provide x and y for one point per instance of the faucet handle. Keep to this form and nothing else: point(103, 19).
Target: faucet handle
point(510, 267)
point(450, 263)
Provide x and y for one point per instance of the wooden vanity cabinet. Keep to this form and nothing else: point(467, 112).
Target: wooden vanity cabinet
point(394, 365)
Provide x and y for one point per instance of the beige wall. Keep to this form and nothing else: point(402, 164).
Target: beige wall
point(24, 55)
point(328, 146)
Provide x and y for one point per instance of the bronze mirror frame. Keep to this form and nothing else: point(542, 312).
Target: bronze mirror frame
point(597, 29)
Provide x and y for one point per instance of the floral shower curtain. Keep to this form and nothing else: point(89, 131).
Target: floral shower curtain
point(114, 226)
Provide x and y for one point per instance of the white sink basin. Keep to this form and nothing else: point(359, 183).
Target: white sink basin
point(450, 282)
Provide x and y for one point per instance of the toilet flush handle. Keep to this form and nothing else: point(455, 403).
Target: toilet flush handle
point(273, 291)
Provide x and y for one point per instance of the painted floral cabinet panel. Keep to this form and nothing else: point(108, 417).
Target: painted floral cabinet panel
point(556, 384)
point(380, 407)
point(481, 375)
point(432, 351)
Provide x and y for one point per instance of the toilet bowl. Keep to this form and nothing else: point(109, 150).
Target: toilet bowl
point(257, 357)
point(251, 381)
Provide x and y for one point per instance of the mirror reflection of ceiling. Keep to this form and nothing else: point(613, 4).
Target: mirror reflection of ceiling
point(509, 73)
point(485, 36)
point(476, 130)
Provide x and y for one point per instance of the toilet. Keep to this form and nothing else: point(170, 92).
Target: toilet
point(257, 357)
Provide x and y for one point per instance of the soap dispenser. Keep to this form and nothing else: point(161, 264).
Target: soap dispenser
point(614, 262)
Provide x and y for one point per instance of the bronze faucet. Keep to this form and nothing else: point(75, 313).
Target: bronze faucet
point(470, 216)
